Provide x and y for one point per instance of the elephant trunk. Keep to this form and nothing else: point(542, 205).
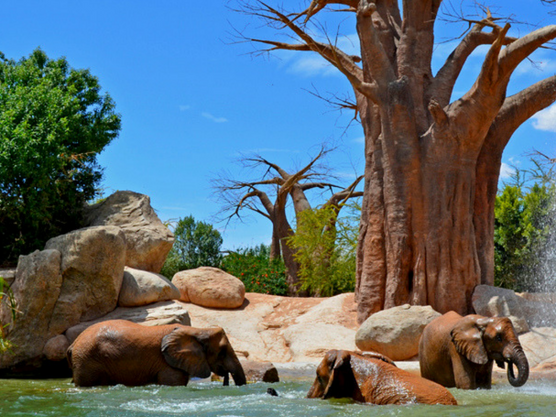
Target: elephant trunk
point(520, 360)
point(233, 365)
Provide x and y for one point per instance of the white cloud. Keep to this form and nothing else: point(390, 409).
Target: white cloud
point(184, 107)
point(214, 118)
point(359, 140)
point(506, 171)
point(545, 119)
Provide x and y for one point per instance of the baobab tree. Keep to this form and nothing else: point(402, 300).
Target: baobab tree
point(431, 163)
point(269, 196)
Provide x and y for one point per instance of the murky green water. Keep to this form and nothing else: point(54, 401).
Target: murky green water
point(60, 398)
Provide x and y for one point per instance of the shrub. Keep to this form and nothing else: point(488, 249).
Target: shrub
point(325, 249)
point(256, 270)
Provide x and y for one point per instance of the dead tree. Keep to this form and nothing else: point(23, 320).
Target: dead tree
point(432, 164)
point(270, 196)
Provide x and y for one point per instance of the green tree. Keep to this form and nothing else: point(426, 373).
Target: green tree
point(196, 244)
point(325, 248)
point(524, 219)
point(53, 123)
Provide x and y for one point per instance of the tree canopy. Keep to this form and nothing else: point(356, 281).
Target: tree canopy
point(196, 244)
point(54, 121)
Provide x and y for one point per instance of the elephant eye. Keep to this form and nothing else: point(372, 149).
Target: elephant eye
point(499, 337)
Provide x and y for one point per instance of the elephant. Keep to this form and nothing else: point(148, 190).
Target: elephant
point(122, 352)
point(457, 351)
point(373, 378)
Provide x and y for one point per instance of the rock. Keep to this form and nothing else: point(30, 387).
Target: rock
point(525, 311)
point(164, 312)
point(539, 345)
point(37, 284)
point(55, 349)
point(210, 287)
point(148, 240)
point(92, 273)
point(142, 287)
point(260, 371)
point(395, 332)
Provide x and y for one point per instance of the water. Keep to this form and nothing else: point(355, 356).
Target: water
point(206, 399)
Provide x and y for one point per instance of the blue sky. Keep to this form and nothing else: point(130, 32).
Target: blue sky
point(193, 101)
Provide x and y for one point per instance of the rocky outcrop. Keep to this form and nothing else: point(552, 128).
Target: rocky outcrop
point(77, 277)
point(210, 287)
point(148, 240)
point(140, 288)
point(525, 310)
point(322, 326)
point(282, 329)
point(395, 332)
point(164, 312)
point(35, 291)
point(92, 272)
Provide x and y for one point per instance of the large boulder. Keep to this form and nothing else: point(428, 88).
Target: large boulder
point(36, 288)
point(92, 271)
point(525, 310)
point(140, 288)
point(148, 240)
point(164, 312)
point(260, 371)
point(210, 287)
point(395, 332)
point(492, 301)
point(539, 346)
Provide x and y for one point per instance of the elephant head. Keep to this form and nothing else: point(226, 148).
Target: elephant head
point(202, 351)
point(373, 378)
point(336, 377)
point(483, 339)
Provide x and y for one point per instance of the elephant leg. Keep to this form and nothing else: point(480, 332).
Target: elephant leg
point(171, 376)
point(484, 376)
point(464, 373)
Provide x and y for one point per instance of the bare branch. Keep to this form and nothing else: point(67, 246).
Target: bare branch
point(519, 108)
point(318, 5)
point(519, 50)
point(442, 87)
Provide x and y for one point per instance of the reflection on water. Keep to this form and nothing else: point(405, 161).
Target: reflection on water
point(61, 398)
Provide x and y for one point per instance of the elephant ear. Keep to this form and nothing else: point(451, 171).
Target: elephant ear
point(467, 337)
point(181, 350)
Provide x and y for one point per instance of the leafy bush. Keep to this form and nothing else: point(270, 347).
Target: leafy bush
point(196, 244)
point(258, 272)
point(53, 123)
point(325, 248)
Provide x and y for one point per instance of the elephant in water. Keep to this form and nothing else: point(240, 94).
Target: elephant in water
point(373, 378)
point(458, 351)
point(121, 352)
